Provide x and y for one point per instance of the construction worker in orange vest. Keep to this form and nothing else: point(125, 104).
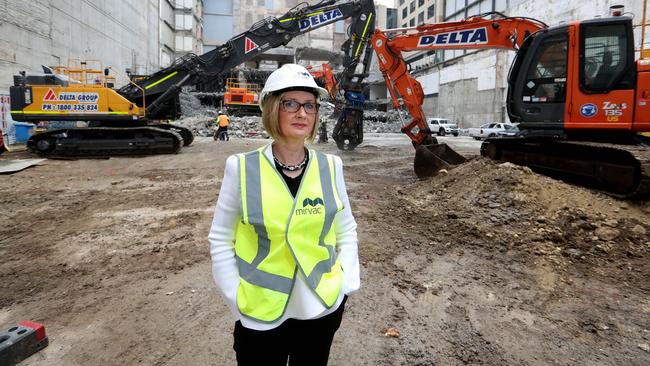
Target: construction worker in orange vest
point(222, 131)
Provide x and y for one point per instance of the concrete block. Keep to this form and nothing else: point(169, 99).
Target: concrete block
point(21, 341)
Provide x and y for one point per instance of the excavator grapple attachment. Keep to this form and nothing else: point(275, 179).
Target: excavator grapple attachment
point(429, 159)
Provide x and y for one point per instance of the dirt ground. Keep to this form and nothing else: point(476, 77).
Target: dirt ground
point(490, 264)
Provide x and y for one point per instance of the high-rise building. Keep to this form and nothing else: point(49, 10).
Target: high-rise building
point(188, 27)
point(415, 12)
point(120, 34)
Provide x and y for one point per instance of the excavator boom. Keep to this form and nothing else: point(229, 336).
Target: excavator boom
point(473, 33)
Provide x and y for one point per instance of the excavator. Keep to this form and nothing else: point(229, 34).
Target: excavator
point(241, 98)
point(581, 99)
point(325, 77)
point(125, 121)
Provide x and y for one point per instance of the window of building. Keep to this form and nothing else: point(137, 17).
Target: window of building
point(420, 2)
point(401, 2)
point(218, 7)
point(339, 27)
point(450, 8)
point(454, 6)
point(421, 18)
point(187, 4)
point(391, 18)
point(183, 43)
point(184, 21)
point(412, 22)
point(412, 6)
point(405, 13)
point(473, 10)
point(431, 12)
point(218, 28)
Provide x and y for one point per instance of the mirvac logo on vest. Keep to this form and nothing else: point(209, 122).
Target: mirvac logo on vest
point(320, 19)
point(311, 207)
point(469, 37)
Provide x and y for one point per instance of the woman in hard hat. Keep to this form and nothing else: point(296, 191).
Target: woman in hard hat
point(283, 240)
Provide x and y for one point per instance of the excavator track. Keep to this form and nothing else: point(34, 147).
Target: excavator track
point(185, 133)
point(102, 142)
point(618, 170)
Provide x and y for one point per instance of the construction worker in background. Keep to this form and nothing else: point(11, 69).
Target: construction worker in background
point(285, 258)
point(222, 130)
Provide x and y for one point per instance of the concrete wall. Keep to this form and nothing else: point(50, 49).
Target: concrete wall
point(471, 89)
point(119, 33)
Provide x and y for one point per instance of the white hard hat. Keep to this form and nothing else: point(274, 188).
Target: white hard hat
point(290, 76)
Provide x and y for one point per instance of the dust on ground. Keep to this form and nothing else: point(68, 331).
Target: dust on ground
point(490, 264)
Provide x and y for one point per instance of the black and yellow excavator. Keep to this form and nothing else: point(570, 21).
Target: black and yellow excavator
point(127, 120)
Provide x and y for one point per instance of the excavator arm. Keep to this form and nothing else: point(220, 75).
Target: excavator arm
point(472, 33)
point(325, 76)
point(162, 87)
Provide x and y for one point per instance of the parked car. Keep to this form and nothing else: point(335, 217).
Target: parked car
point(442, 126)
point(490, 130)
point(509, 132)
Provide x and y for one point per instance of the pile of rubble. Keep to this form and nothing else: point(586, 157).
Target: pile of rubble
point(201, 120)
point(191, 105)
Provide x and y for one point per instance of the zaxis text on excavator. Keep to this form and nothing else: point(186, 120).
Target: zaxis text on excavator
point(579, 96)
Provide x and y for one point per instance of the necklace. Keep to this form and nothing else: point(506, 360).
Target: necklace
point(291, 168)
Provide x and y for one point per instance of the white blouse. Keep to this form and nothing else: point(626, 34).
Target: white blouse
point(303, 302)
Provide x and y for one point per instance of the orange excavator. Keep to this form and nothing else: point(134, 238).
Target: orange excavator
point(325, 76)
point(579, 96)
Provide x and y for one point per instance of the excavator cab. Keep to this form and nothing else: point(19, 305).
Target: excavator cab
point(540, 70)
point(563, 80)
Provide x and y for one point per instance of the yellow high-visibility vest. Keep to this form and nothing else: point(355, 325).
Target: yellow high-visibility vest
point(279, 235)
point(223, 120)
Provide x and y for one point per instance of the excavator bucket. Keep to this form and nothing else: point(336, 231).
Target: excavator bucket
point(429, 159)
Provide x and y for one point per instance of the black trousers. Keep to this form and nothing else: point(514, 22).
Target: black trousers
point(222, 134)
point(302, 342)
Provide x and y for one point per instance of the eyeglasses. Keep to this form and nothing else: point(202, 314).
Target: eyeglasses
point(293, 106)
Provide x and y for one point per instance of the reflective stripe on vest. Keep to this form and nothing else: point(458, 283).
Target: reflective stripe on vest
point(278, 235)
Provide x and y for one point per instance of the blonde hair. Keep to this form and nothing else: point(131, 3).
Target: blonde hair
point(271, 117)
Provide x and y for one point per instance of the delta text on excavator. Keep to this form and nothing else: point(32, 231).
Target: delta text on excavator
point(126, 121)
point(579, 96)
